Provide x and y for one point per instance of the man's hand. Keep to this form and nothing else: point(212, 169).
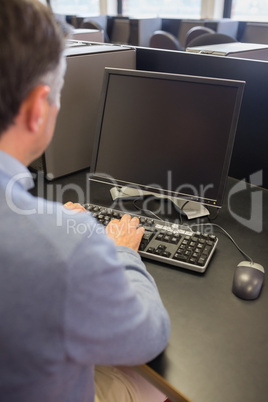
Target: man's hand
point(126, 232)
point(74, 206)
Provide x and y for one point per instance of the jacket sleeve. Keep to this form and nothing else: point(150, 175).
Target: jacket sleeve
point(113, 312)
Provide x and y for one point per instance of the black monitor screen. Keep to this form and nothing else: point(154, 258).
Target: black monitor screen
point(167, 133)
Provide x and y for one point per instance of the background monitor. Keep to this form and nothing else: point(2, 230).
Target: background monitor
point(166, 134)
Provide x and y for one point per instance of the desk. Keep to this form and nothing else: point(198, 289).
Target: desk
point(255, 51)
point(218, 350)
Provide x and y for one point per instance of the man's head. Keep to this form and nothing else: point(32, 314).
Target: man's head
point(31, 46)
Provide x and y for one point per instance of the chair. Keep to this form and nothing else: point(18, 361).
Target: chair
point(90, 24)
point(211, 39)
point(164, 40)
point(184, 26)
point(194, 32)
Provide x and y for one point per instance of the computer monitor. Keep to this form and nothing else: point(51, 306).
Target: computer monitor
point(168, 135)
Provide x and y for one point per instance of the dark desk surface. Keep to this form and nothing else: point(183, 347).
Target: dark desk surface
point(218, 350)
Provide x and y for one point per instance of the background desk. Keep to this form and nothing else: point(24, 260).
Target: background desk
point(218, 350)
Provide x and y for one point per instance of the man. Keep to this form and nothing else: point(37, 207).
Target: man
point(70, 302)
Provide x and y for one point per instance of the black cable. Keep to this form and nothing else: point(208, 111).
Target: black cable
point(214, 217)
point(183, 205)
point(229, 236)
point(146, 210)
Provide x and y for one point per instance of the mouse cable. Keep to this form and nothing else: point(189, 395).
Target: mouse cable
point(229, 236)
point(214, 217)
point(146, 211)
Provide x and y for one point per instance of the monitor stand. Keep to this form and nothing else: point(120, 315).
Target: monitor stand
point(191, 209)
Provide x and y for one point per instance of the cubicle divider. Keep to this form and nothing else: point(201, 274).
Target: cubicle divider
point(71, 147)
point(251, 144)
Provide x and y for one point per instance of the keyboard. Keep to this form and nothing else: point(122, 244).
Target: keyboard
point(166, 242)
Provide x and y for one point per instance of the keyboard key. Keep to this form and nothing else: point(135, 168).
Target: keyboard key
point(174, 240)
point(166, 238)
point(206, 250)
point(166, 254)
point(146, 238)
point(201, 260)
point(159, 236)
point(180, 257)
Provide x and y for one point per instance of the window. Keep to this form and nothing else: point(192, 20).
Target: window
point(163, 8)
point(75, 7)
point(250, 10)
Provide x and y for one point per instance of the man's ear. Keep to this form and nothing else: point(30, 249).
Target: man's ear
point(36, 107)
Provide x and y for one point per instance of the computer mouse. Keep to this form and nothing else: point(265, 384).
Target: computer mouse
point(248, 280)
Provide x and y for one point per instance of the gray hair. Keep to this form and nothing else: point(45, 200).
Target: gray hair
point(55, 80)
